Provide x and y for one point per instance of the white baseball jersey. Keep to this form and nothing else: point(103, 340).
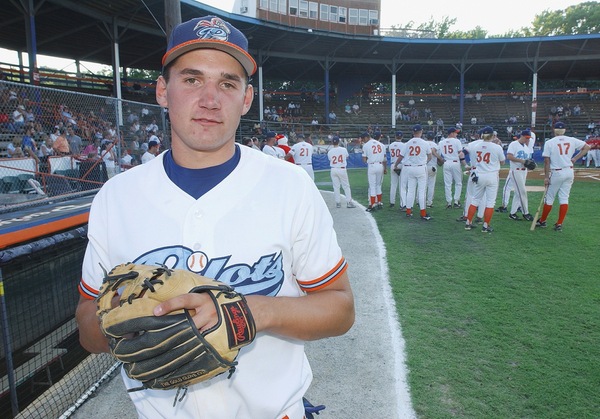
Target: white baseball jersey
point(338, 160)
point(450, 148)
point(302, 153)
point(213, 236)
point(395, 149)
point(520, 151)
point(416, 152)
point(374, 151)
point(272, 151)
point(560, 150)
point(487, 156)
point(338, 157)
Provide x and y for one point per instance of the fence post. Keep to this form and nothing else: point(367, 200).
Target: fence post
point(10, 370)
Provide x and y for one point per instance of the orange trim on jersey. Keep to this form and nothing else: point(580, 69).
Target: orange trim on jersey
point(44, 229)
point(86, 291)
point(341, 267)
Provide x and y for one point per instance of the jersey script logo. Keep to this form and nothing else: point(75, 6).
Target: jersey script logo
point(263, 277)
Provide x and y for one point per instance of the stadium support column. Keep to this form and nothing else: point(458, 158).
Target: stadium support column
point(533, 99)
point(117, 71)
point(34, 75)
point(261, 100)
point(461, 96)
point(394, 98)
point(327, 90)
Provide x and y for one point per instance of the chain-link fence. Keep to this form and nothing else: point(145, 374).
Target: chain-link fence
point(55, 142)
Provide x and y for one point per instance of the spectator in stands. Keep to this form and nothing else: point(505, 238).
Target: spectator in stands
point(314, 123)
point(576, 110)
point(107, 154)
point(18, 119)
point(267, 114)
point(153, 148)
point(356, 108)
point(92, 147)
point(127, 158)
point(152, 127)
point(332, 117)
point(45, 148)
point(473, 120)
point(247, 141)
point(13, 149)
point(75, 141)
point(348, 108)
point(61, 145)
point(28, 144)
point(67, 116)
point(440, 124)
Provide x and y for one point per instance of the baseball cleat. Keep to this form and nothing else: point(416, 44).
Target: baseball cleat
point(380, 205)
point(429, 205)
point(462, 218)
point(338, 205)
point(501, 209)
point(514, 217)
point(370, 209)
point(557, 227)
point(350, 205)
point(426, 217)
point(528, 217)
point(392, 205)
point(449, 206)
point(541, 224)
point(457, 205)
point(487, 229)
point(469, 227)
point(478, 220)
point(408, 215)
point(403, 208)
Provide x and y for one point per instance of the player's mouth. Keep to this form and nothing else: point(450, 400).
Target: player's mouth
point(206, 121)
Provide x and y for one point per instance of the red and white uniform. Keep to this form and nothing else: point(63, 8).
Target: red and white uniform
point(450, 148)
point(302, 153)
point(213, 236)
point(415, 155)
point(509, 183)
point(487, 157)
point(395, 149)
point(560, 150)
point(431, 173)
point(338, 160)
point(374, 155)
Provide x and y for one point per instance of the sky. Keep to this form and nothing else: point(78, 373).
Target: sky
point(495, 17)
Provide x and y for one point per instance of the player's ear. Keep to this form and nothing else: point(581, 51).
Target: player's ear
point(248, 98)
point(161, 92)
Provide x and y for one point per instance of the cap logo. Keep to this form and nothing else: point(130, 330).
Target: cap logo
point(212, 29)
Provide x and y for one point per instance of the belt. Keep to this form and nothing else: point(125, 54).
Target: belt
point(414, 165)
point(339, 167)
point(568, 167)
point(520, 168)
point(453, 161)
point(304, 164)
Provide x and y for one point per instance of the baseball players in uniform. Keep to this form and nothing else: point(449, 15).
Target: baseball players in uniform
point(414, 158)
point(558, 172)
point(302, 153)
point(431, 168)
point(593, 153)
point(449, 148)
point(395, 190)
point(338, 160)
point(375, 157)
point(294, 278)
point(270, 147)
point(487, 157)
point(519, 151)
point(509, 184)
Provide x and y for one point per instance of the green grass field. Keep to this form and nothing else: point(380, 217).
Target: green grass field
point(500, 325)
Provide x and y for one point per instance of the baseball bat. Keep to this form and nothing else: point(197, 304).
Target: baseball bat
point(537, 213)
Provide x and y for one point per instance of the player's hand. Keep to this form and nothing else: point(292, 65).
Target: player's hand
point(203, 311)
point(546, 181)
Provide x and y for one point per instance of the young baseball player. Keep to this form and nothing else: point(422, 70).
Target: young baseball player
point(449, 148)
point(558, 172)
point(519, 151)
point(294, 278)
point(302, 153)
point(414, 158)
point(338, 160)
point(375, 157)
point(487, 157)
point(395, 189)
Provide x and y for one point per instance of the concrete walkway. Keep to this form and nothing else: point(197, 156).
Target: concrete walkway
point(359, 375)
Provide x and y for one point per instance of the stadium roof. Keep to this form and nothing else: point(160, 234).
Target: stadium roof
point(83, 30)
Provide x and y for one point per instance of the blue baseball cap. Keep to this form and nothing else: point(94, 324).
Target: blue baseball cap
point(417, 128)
point(270, 134)
point(526, 133)
point(559, 125)
point(487, 130)
point(399, 134)
point(335, 140)
point(451, 130)
point(430, 134)
point(377, 135)
point(365, 134)
point(209, 32)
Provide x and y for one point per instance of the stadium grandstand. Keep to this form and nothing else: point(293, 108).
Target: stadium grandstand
point(348, 81)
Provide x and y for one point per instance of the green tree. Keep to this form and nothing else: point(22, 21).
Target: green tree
point(581, 19)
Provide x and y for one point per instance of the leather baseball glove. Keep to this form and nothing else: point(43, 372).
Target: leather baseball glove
point(165, 352)
point(397, 170)
point(529, 164)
